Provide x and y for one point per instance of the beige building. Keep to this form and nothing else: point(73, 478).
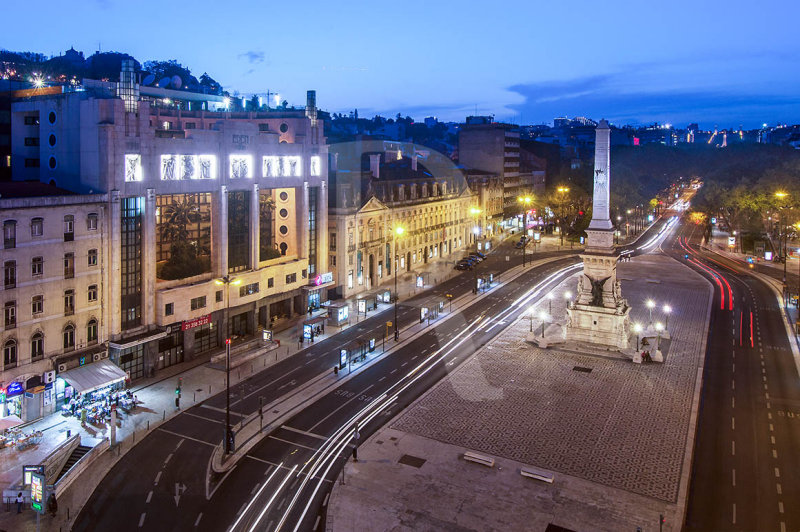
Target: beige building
point(434, 212)
point(55, 273)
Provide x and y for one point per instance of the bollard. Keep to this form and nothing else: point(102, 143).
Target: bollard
point(164, 417)
point(209, 389)
point(251, 367)
point(148, 425)
point(194, 397)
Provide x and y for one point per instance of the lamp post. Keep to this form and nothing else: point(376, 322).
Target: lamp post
point(667, 310)
point(475, 211)
point(227, 281)
point(543, 317)
point(650, 306)
point(530, 319)
point(659, 328)
point(782, 221)
point(525, 201)
point(398, 231)
point(550, 304)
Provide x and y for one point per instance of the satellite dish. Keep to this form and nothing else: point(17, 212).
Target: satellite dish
point(177, 82)
point(163, 82)
point(149, 79)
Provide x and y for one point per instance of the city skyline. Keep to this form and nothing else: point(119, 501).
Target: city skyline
point(719, 65)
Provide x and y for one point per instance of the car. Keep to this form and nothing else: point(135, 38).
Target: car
point(518, 245)
point(478, 254)
point(477, 257)
point(463, 266)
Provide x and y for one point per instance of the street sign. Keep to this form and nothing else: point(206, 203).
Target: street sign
point(731, 241)
point(267, 335)
point(420, 282)
point(342, 358)
point(28, 471)
point(713, 219)
point(307, 331)
point(37, 492)
point(362, 305)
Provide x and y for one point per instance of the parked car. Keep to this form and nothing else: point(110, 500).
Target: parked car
point(463, 266)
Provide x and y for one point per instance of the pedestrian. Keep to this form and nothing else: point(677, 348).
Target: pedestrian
point(19, 502)
point(52, 504)
point(310, 311)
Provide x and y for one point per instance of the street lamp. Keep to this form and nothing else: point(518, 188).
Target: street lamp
point(659, 328)
point(398, 232)
point(550, 304)
point(543, 317)
point(561, 192)
point(781, 196)
point(530, 318)
point(525, 202)
point(667, 310)
point(227, 281)
point(650, 306)
point(637, 328)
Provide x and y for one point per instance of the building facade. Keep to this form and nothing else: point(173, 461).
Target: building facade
point(55, 266)
point(434, 212)
point(209, 213)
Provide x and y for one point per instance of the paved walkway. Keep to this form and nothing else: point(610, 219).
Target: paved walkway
point(616, 437)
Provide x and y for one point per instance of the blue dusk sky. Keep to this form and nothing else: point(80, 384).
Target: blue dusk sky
point(720, 63)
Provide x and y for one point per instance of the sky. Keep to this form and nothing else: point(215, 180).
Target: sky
point(717, 63)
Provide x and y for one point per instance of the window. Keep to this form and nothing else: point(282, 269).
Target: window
point(92, 257)
point(91, 222)
point(291, 278)
point(189, 125)
point(31, 141)
point(10, 314)
point(69, 228)
point(270, 282)
point(31, 120)
point(91, 331)
point(37, 345)
point(332, 260)
point(37, 227)
point(92, 292)
point(303, 274)
point(263, 127)
point(9, 234)
point(37, 304)
point(69, 265)
point(169, 309)
point(198, 302)
point(10, 274)
point(31, 163)
point(248, 289)
point(218, 296)
point(69, 337)
point(37, 266)
point(10, 354)
point(332, 242)
point(69, 302)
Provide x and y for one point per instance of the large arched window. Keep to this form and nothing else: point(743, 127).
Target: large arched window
point(91, 331)
point(69, 337)
point(10, 354)
point(37, 345)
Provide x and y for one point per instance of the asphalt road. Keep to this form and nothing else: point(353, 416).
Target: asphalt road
point(746, 455)
point(284, 480)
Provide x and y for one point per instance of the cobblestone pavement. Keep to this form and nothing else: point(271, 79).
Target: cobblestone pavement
point(622, 425)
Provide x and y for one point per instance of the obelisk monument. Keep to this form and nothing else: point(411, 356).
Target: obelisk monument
point(599, 315)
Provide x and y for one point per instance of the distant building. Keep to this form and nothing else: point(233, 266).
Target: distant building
point(489, 192)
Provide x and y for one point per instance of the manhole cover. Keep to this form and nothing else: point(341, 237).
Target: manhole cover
point(582, 369)
point(412, 461)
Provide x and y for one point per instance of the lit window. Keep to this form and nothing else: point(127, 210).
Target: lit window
point(92, 257)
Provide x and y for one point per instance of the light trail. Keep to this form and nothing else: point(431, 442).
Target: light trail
point(254, 499)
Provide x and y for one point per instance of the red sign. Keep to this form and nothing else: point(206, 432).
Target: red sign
point(197, 322)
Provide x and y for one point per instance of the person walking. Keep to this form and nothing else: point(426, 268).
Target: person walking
point(19, 502)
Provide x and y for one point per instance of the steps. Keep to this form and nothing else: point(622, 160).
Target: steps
point(76, 455)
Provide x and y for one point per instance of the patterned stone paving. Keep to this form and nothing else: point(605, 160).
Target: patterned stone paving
point(623, 425)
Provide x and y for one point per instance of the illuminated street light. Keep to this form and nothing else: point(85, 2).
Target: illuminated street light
point(398, 231)
point(228, 281)
point(543, 317)
point(650, 306)
point(637, 328)
point(667, 310)
point(525, 201)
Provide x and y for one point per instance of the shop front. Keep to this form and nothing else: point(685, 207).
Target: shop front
point(315, 292)
point(137, 355)
point(11, 399)
point(88, 392)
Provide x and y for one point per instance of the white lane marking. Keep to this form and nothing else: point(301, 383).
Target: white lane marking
point(316, 523)
point(779, 489)
point(325, 502)
point(197, 521)
point(774, 453)
point(149, 496)
point(304, 432)
point(393, 371)
point(356, 396)
point(169, 457)
point(772, 439)
point(382, 378)
point(179, 444)
point(158, 476)
point(777, 473)
point(733, 448)
point(293, 443)
point(734, 513)
point(187, 437)
point(254, 489)
point(141, 520)
point(771, 428)
point(780, 506)
point(733, 423)
point(733, 477)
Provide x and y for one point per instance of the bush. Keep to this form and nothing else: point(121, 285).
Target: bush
point(183, 262)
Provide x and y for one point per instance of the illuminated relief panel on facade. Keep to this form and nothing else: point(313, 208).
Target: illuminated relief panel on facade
point(189, 168)
point(270, 166)
point(207, 168)
point(292, 166)
point(285, 166)
point(133, 167)
point(316, 164)
point(169, 170)
point(241, 166)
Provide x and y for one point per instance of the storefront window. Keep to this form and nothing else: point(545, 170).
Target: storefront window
point(204, 339)
point(132, 361)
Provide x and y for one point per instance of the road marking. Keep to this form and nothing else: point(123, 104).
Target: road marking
point(141, 520)
point(771, 428)
point(773, 439)
point(254, 489)
point(733, 402)
point(187, 437)
point(158, 477)
point(734, 513)
point(393, 371)
point(220, 410)
point(316, 523)
point(414, 357)
point(733, 385)
point(780, 506)
point(765, 386)
point(764, 378)
point(404, 364)
point(733, 477)
point(783, 526)
point(355, 396)
point(382, 378)
point(241, 508)
point(293, 443)
point(774, 453)
point(179, 444)
point(733, 448)
point(169, 457)
point(733, 423)
point(733, 367)
point(205, 418)
point(197, 521)
point(325, 502)
point(766, 395)
point(768, 406)
point(149, 496)
point(779, 489)
point(769, 416)
point(305, 433)
point(777, 473)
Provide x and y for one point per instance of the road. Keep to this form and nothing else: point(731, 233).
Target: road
point(283, 482)
point(745, 459)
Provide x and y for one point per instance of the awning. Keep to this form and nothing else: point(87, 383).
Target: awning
point(94, 376)
point(8, 422)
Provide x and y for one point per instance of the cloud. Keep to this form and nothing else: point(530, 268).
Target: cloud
point(252, 56)
point(623, 99)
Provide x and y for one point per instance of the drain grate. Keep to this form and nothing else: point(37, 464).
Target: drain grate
point(412, 461)
point(582, 369)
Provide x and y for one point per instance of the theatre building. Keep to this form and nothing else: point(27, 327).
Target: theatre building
point(207, 209)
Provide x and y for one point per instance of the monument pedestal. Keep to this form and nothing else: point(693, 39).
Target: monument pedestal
point(609, 327)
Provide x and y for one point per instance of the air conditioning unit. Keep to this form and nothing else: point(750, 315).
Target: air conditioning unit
point(95, 357)
point(49, 376)
point(104, 354)
point(62, 368)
